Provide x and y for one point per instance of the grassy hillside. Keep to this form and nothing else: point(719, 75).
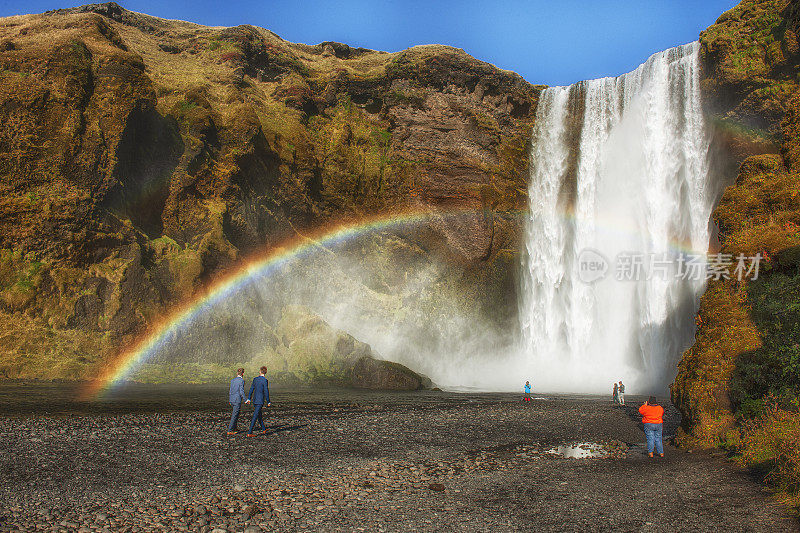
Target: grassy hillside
point(739, 385)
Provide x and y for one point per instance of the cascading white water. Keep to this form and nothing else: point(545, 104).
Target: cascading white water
point(619, 166)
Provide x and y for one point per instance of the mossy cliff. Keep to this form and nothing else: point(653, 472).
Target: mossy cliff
point(140, 158)
point(738, 385)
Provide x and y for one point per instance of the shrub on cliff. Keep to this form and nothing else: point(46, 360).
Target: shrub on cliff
point(771, 444)
point(770, 374)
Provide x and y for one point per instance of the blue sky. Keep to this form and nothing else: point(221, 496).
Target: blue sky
point(555, 42)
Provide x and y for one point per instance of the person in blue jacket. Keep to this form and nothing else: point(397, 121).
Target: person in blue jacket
point(235, 397)
point(527, 396)
point(259, 395)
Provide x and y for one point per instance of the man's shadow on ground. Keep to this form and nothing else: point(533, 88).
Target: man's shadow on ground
point(273, 429)
point(278, 428)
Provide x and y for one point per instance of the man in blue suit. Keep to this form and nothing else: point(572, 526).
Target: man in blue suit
point(235, 397)
point(259, 395)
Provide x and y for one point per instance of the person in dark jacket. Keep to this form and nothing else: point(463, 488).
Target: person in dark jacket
point(235, 397)
point(259, 395)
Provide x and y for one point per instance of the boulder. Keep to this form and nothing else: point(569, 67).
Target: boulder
point(370, 373)
point(310, 351)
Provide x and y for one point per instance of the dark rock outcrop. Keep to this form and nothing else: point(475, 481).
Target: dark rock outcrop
point(369, 373)
point(309, 350)
point(298, 349)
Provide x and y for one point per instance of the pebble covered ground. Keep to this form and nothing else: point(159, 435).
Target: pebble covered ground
point(457, 462)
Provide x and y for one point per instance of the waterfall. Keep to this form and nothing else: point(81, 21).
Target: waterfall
point(618, 178)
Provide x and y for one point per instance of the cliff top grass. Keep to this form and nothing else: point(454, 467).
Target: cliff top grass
point(750, 33)
point(751, 55)
point(186, 54)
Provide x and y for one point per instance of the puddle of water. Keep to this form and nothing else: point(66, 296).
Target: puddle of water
point(580, 450)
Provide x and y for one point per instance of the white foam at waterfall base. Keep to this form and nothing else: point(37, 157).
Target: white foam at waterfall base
point(636, 184)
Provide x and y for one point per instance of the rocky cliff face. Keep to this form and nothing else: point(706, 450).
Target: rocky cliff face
point(140, 158)
point(747, 345)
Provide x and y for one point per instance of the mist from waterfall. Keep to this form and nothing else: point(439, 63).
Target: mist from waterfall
point(619, 168)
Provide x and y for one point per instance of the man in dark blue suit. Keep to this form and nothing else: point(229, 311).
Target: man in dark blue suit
point(235, 397)
point(259, 395)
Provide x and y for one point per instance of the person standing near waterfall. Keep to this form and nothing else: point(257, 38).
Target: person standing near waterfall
point(259, 395)
point(235, 398)
point(527, 396)
point(621, 393)
point(653, 420)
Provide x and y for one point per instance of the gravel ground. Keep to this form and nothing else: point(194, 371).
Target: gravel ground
point(432, 462)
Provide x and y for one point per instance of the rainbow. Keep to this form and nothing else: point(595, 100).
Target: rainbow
point(261, 265)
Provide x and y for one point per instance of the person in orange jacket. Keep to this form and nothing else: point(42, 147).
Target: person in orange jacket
point(653, 420)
